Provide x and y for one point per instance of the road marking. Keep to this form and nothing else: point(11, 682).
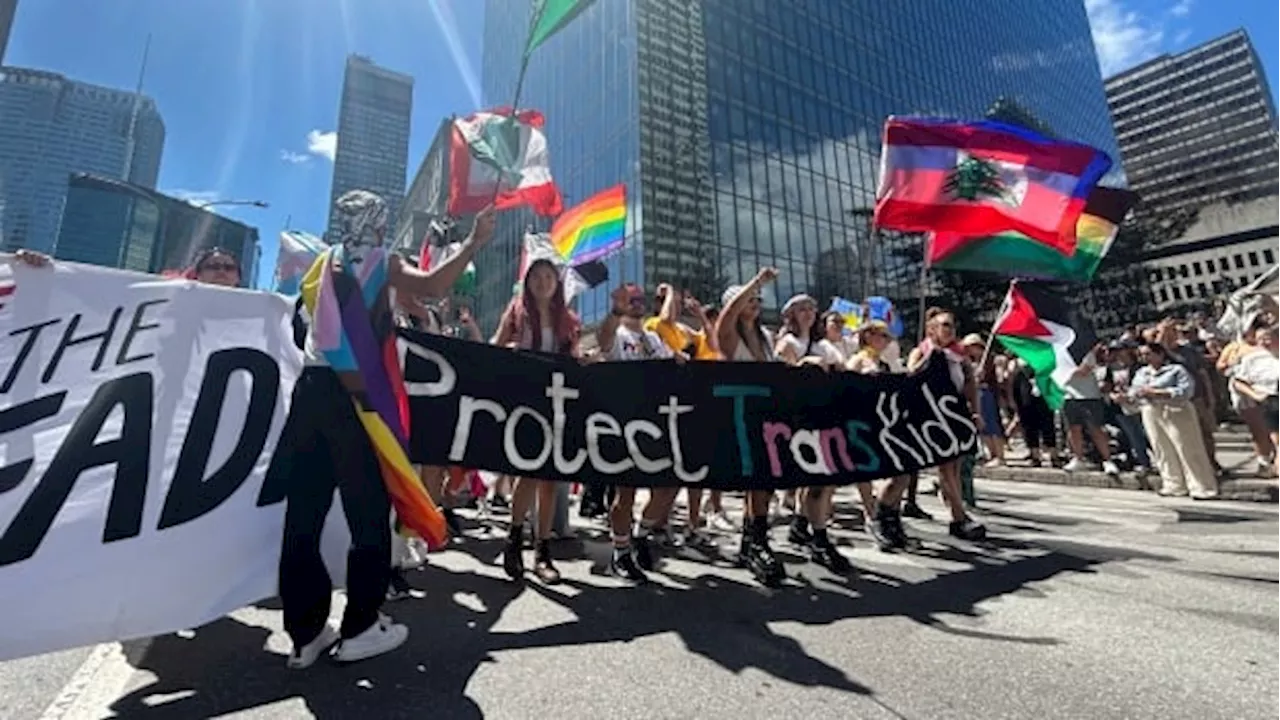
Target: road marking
point(98, 683)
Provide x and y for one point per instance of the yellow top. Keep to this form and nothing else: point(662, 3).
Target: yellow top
point(681, 338)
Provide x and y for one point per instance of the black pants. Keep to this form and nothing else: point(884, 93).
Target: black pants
point(326, 447)
point(1037, 425)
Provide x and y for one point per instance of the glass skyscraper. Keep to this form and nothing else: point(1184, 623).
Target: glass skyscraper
point(118, 224)
point(748, 132)
point(52, 127)
point(373, 133)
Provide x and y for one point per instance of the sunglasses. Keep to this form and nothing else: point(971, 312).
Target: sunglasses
point(219, 267)
point(945, 324)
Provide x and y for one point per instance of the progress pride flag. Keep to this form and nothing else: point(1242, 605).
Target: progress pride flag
point(984, 178)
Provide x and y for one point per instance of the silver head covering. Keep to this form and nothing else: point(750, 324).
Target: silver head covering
point(362, 224)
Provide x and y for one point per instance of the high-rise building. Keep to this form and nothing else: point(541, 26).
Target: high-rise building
point(8, 8)
point(52, 127)
point(373, 133)
point(748, 133)
point(1198, 127)
point(118, 224)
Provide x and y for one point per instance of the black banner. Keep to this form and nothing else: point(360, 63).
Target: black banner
point(721, 425)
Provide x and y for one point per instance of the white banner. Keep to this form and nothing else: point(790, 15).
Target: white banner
point(137, 420)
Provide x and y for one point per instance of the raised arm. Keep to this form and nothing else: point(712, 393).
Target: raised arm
point(437, 283)
point(726, 326)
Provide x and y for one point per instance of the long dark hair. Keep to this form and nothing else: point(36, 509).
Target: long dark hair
point(814, 329)
point(527, 315)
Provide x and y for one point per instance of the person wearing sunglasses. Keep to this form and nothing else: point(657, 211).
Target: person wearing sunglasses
point(940, 337)
point(216, 266)
point(623, 338)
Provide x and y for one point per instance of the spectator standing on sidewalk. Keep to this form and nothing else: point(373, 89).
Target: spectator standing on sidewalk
point(1085, 410)
point(1164, 390)
point(1193, 360)
point(1128, 415)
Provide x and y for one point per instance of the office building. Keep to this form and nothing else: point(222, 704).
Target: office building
point(1198, 127)
point(118, 224)
point(373, 133)
point(8, 8)
point(52, 127)
point(748, 133)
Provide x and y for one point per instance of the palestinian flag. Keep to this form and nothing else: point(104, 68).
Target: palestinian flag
point(1044, 329)
point(1016, 255)
point(493, 153)
point(550, 17)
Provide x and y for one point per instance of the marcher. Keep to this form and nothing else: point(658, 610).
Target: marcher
point(324, 444)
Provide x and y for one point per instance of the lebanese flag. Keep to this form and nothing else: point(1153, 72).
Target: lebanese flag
point(496, 151)
point(984, 178)
point(1044, 329)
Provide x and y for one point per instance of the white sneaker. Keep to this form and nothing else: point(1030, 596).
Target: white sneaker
point(1076, 465)
point(382, 637)
point(1141, 470)
point(720, 521)
point(306, 656)
point(1110, 468)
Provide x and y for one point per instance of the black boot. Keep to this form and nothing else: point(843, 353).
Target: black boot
point(513, 553)
point(759, 557)
point(543, 567)
point(799, 533)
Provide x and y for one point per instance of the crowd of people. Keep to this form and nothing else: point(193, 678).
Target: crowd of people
point(1154, 396)
point(1161, 385)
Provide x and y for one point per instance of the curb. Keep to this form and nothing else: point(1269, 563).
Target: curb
point(1240, 489)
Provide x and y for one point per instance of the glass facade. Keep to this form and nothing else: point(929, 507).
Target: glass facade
point(117, 224)
point(373, 133)
point(52, 127)
point(108, 222)
point(748, 132)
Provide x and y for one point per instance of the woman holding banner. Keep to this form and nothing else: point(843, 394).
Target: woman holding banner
point(803, 343)
point(940, 337)
point(743, 338)
point(537, 319)
point(884, 518)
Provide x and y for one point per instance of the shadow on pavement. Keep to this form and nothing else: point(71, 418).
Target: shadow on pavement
point(224, 669)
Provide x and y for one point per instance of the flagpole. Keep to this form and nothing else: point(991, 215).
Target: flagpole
point(991, 336)
point(924, 278)
point(524, 65)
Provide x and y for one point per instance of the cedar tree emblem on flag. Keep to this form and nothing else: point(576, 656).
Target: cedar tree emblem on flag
point(974, 179)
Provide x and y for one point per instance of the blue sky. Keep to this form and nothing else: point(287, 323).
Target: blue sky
point(249, 89)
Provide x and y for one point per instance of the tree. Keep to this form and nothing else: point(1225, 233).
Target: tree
point(1009, 111)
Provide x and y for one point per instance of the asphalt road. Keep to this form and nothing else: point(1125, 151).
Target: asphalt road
point(1087, 603)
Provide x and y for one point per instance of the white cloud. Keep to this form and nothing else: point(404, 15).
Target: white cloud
point(1181, 9)
point(1181, 38)
point(194, 197)
point(1122, 37)
point(294, 158)
point(324, 144)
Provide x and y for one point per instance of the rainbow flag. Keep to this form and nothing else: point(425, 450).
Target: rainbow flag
point(343, 331)
point(592, 229)
point(1016, 255)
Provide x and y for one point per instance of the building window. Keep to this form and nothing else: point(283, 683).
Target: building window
point(1269, 256)
point(1239, 261)
point(1253, 259)
point(1195, 268)
point(1164, 295)
point(1204, 292)
point(1177, 293)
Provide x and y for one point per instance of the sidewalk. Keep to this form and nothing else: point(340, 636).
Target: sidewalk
point(1242, 482)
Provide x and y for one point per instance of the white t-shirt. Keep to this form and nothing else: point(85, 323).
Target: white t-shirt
point(637, 345)
point(1261, 370)
point(820, 349)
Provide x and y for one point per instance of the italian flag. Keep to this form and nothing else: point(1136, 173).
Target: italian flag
point(1044, 329)
point(500, 157)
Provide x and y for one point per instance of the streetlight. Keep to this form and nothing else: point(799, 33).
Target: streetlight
point(250, 203)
